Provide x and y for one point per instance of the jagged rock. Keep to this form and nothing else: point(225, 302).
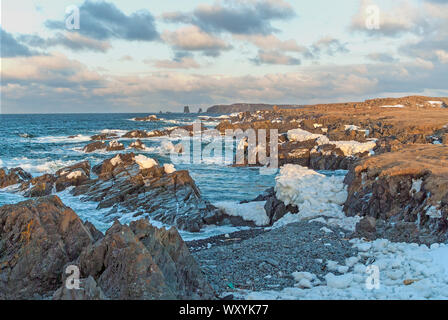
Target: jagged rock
point(186, 109)
point(40, 238)
point(137, 144)
point(97, 145)
point(147, 118)
point(37, 239)
point(134, 134)
point(169, 251)
point(171, 198)
point(13, 176)
point(88, 290)
point(275, 208)
point(39, 186)
point(114, 145)
point(72, 176)
point(66, 177)
point(103, 136)
point(406, 189)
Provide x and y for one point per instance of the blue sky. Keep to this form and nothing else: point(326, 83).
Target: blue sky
point(146, 56)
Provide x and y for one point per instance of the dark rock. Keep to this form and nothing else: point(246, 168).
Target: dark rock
point(13, 176)
point(37, 239)
point(138, 144)
point(114, 145)
point(91, 147)
point(170, 198)
point(103, 136)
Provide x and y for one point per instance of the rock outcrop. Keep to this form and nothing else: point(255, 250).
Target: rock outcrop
point(406, 192)
point(172, 198)
point(66, 177)
point(10, 177)
point(37, 239)
point(150, 118)
point(40, 238)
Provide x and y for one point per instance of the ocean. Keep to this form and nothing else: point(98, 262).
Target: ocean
point(40, 143)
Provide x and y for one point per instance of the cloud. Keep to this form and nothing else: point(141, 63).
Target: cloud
point(181, 63)
point(70, 40)
point(58, 84)
point(236, 17)
point(103, 21)
point(126, 58)
point(403, 18)
point(50, 70)
point(442, 55)
point(191, 38)
point(10, 47)
point(275, 57)
point(381, 57)
point(433, 43)
point(329, 46)
point(269, 42)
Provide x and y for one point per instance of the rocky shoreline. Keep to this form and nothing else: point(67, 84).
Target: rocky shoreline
point(312, 235)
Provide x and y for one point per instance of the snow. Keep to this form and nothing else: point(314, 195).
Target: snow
point(347, 147)
point(115, 143)
point(251, 211)
point(436, 103)
point(351, 127)
point(75, 174)
point(393, 106)
point(145, 162)
point(315, 195)
point(300, 135)
point(354, 147)
point(405, 271)
point(116, 160)
point(169, 168)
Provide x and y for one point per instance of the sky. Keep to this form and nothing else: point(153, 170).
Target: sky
point(150, 56)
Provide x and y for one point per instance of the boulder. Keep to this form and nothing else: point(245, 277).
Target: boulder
point(103, 136)
point(37, 239)
point(137, 144)
point(172, 198)
point(114, 145)
point(97, 145)
point(40, 238)
point(9, 177)
point(406, 190)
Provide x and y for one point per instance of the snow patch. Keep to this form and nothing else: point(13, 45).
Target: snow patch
point(251, 211)
point(145, 162)
point(169, 168)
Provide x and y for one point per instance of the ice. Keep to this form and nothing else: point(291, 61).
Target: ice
point(303, 135)
point(75, 174)
point(405, 271)
point(251, 211)
point(145, 162)
point(393, 106)
point(347, 147)
point(169, 168)
point(116, 160)
point(354, 147)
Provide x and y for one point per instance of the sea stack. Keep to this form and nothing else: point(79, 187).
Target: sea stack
point(200, 110)
point(186, 109)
